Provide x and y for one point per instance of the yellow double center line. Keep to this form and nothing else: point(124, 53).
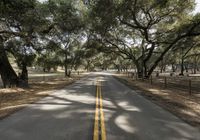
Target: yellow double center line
point(99, 125)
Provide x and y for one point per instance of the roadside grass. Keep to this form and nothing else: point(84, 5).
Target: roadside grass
point(14, 99)
point(179, 103)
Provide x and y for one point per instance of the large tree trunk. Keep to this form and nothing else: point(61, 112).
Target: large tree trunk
point(182, 64)
point(145, 71)
point(66, 65)
point(67, 72)
point(195, 65)
point(198, 69)
point(156, 62)
point(162, 67)
point(142, 65)
point(8, 75)
point(24, 76)
point(140, 70)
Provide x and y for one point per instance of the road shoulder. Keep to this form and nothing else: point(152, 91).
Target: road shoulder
point(15, 99)
point(180, 105)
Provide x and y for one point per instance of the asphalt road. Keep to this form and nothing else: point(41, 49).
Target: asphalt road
point(74, 112)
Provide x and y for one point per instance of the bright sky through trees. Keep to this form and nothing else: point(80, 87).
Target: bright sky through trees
point(197, 10)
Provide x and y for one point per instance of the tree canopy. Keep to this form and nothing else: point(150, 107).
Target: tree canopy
point(71, 33)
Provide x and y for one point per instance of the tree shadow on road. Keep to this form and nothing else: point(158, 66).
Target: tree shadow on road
point(68, 114)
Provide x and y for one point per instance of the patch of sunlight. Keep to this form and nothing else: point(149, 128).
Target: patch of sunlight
point(152, 89)
point(81, 98)
point(71, 113)
point(45, 92)
point(109, 104)
point(85, 97)
point(157, 91)
point(51, 103)
point(11, 90)
point(49, 107)
point(62, 99)
point(87, 83)
point(45, 74)
point(51, 83)
point(188, 112)
point(103, 73)
point(123, 123)
point(126, 106)
point(12, 107)
point(101, 78)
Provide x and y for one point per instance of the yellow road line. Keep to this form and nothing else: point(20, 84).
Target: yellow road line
point(96, 124)
point(103, 129)
point(99, 115)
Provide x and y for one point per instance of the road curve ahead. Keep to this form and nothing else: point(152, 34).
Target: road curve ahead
point(97, 107)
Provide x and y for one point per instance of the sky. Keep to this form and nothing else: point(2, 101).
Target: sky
point(197, 10)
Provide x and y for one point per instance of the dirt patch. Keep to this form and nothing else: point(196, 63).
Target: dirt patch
point(14, 99)
point(181, 104)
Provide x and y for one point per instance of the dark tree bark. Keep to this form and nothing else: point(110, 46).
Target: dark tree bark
point(67, 71)
point(182, 67)
point(24, 75)
point(140, 70)
point(8, 75)
point(182, 63)
point(163, 66)
point(195, 65)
